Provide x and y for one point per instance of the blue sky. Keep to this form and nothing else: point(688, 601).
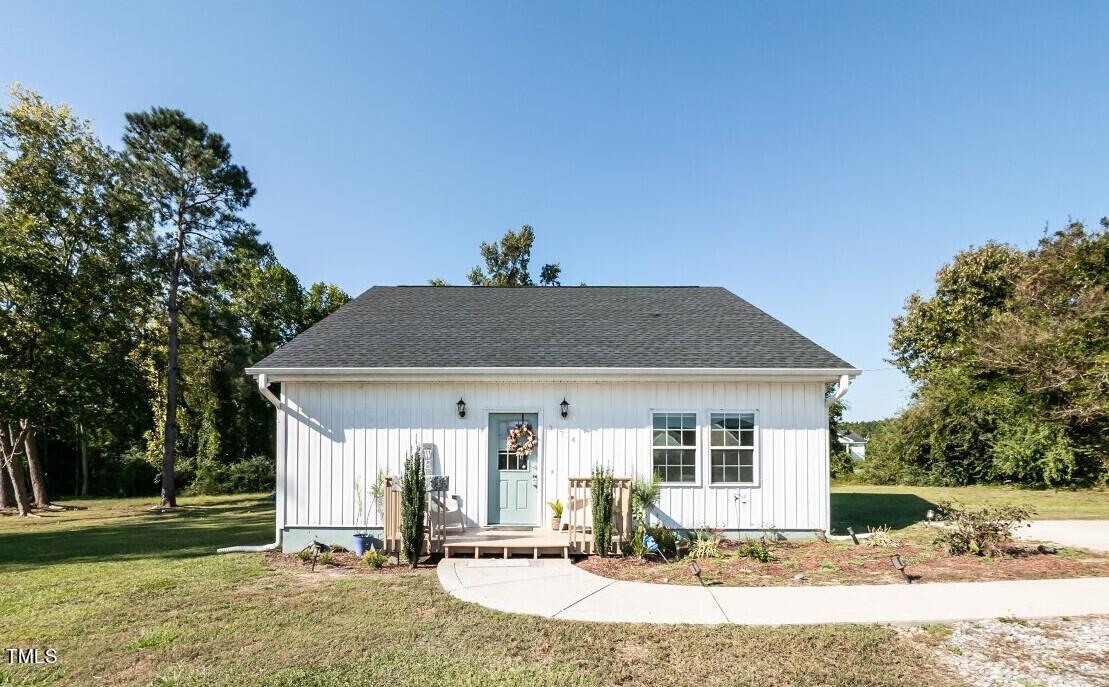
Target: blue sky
point(820, 160)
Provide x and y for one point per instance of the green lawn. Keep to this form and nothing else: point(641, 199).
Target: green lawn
point(133, 597)
point(860, 505)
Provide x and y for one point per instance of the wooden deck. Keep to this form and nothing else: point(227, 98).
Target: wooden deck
point(504, 543)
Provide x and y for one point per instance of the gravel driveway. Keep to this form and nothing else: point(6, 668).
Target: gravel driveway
point(1018, 653)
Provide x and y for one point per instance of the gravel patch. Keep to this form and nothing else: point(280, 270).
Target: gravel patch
point(1029, 653)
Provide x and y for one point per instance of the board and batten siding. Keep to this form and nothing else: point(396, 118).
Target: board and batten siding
point(333, 437)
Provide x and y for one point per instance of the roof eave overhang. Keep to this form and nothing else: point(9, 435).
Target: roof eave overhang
point(552, 374)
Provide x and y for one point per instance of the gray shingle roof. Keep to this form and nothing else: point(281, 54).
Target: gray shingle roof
point(636, 327)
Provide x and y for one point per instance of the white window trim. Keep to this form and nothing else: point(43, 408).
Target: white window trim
point(756, 460)
point(698, 463)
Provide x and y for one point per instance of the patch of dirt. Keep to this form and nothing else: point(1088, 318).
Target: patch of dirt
point(343, 564)
point(995, 653)
point(835, 563)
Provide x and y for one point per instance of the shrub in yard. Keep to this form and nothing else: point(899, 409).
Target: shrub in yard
point(253, 474)
point(645, 495)
point(374, 558)
point(981, 531)
point(842, 464)
point(758, 549)
point(664, 536)
point(413, 508)
point(602, 498)
point(325, 558)
point(880, 537)
point(704, 543)
point(304, 555)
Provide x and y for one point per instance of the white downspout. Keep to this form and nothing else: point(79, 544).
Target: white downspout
point(264, 389)
point(841, 390)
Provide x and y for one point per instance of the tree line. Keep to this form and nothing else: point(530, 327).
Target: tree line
point(133, 292)
point(1010, 364)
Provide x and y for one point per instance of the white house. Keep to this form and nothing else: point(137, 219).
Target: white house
point(854, 444)
point(724, 403)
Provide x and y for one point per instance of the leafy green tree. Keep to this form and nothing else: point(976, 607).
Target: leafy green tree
point(507, 262)
point(839, 460)
point(184, 175)
point(320, 300)
point(933, 332)
point(1011, 363)
point(66, 274)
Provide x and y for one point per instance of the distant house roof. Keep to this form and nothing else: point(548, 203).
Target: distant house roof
point(851, 437)
point(550, 327)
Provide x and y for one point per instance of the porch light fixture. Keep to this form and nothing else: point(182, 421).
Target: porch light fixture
point(565, 407)
point(461, 405)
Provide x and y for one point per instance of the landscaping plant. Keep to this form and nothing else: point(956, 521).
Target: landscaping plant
point(981, 531)
point(644, 497)
point(556, 514)
point(374, 558)
point(413, 508)
point(704, 543)
point(758, 549)
point(602, 498)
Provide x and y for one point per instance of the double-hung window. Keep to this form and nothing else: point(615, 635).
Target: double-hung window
point(674, 447)
point(732, 448)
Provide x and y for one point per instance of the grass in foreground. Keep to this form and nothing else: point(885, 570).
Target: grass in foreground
point(133, 597)
point(862, 505)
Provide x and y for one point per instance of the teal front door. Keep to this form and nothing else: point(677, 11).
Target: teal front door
point(513, 478)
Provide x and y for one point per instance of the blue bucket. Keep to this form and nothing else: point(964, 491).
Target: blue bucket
point(361, 543)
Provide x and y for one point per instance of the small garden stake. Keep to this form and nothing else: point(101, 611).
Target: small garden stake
point(900, 565)
point(851, 531)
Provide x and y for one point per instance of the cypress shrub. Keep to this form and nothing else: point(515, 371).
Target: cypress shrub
point(602, 498)
point(413, 508)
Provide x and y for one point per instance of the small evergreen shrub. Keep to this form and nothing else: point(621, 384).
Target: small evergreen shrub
point(304, 555)
point(374, 558)
point(413, 508)
point(603, 499)
point(325, 558)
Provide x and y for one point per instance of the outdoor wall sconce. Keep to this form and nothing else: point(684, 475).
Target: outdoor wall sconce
point(565, 407)
point(461, 405)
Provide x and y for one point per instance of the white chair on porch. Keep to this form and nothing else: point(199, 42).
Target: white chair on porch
point(451, 508)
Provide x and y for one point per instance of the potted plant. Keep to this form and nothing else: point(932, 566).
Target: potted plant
point(556, 514)
point(361, 541)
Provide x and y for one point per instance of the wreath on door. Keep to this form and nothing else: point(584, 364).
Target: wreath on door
point(521, 440)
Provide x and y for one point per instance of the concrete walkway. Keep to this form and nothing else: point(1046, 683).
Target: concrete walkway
point(1084, 534)
point(559, 589)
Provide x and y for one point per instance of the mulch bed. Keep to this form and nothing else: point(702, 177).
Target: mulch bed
point(342, 563)
point(835, 563)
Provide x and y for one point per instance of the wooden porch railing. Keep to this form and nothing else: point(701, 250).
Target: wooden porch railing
point(580, 511)
point(434, 519)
